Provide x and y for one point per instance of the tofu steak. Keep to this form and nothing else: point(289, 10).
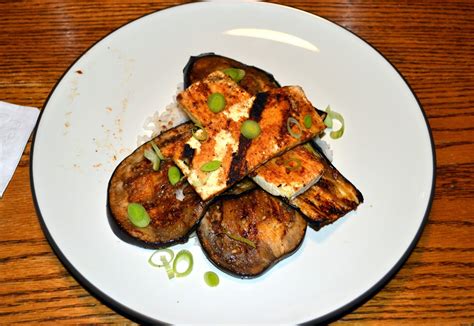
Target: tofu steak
point(238, 156)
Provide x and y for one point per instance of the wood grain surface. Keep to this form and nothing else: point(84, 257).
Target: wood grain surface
point(430, 42)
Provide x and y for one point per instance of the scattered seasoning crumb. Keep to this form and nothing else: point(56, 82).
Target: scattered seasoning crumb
point(79, 72)
point(98, 165)
point(114, 158)
point(67, 124)
point(109, 109)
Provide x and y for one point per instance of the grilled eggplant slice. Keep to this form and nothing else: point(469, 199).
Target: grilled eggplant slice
point(332, 197)
point(245, 236)
point(255, 80)
point(174, 211)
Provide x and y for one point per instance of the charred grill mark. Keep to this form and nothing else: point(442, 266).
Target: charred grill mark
point(239, 163)
point(258, 106)
point(188, 154)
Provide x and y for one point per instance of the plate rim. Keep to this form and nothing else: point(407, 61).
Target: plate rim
point(141, 318)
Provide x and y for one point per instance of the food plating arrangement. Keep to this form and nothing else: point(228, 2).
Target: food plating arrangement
point(245, 173)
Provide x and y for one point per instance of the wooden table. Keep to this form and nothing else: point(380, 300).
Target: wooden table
point(430, 42)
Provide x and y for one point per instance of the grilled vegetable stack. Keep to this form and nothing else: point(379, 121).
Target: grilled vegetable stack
point(247, 132)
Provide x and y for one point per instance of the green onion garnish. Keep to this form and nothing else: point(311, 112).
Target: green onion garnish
point(328, 120)
point(239, 238)
point(174, 175)
point(153, 158)
point(234, 73)
point(183, 255)
point(211, 279)
point(166, 250)
point(211, 166)
point(216, 102)
point(250, 129)
point(157, 151)
point(289, 125)
point(199, 133)
point(138, 215)
point(167, 265)
point(292, 163)
point(332, 115)
point(307, 121)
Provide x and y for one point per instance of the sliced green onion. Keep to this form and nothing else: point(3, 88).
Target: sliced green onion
point(308, 121)
point(289, 125)
point(328, 121)
point(250, 129)
point(138, 215)
point(288, 163)
point(211, 279)
point(157, 151)
point(183, 255)
point(332, 115)
point(211, 166)
point(234, 73)
point(166, 264)
point(153, 158)
point(239, 238)
point(199, 133)
point(174, 175)
point(216, 102)
point(166, 250)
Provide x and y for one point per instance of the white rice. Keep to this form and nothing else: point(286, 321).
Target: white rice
point(163, 120)
point(324, 146)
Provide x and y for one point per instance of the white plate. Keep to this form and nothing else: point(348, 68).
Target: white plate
point(92, 119)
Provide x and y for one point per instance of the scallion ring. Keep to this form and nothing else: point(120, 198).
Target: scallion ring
point(174, 175)
point(307, 121)
point(289, 163)
point(235, 73)
point(289, 125)
point(167, 265)
point(164, 250)
point(211, 166)
point(211, 279)
point(332, 115)
point(250, 129)
point(153, 158)
point(216, 102)
point(183, 255)
point(138, 215)
point(200, 133)
point(157, 151)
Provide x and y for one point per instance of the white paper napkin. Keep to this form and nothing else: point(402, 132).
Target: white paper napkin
point(16, 124)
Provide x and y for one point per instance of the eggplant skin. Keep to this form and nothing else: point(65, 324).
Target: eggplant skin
point(255, 80)
point(332, 197)
point(134, 180)
point(276, 229)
